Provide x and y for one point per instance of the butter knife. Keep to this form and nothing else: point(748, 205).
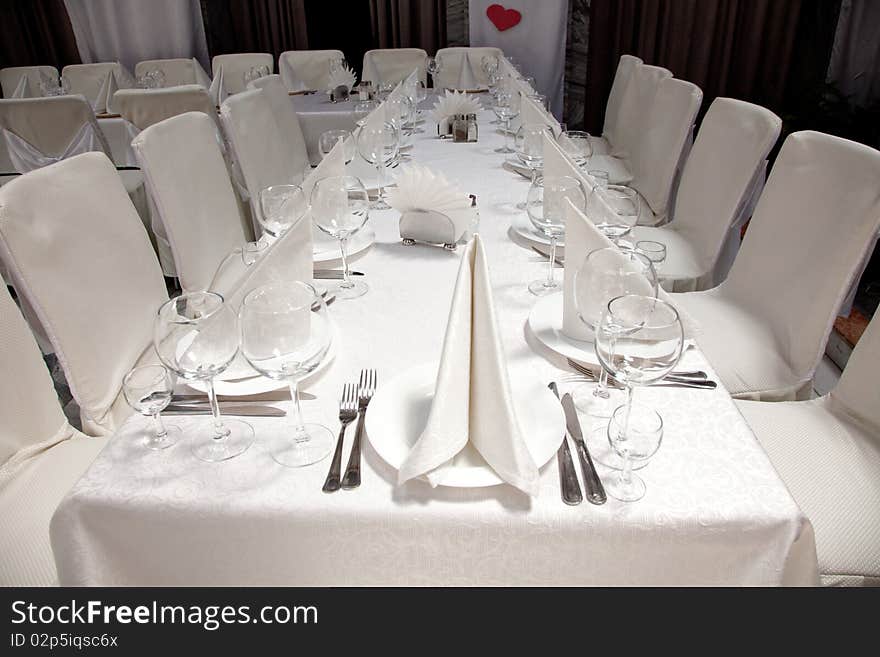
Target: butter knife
point(333, 274)
point(568, 482)
point(226, 409)
point(595, 490)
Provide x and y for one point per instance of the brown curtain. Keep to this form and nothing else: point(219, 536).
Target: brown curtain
point(272, 26)
point(36, 33)
point(739, 48)
point(409, 24)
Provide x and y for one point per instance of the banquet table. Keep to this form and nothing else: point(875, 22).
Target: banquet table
point(715, 512)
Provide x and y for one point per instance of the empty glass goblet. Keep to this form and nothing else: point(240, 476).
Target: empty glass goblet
point(576, 144)
point(506, 107)
point(432, 66)
point(529, 145)
point(253, 251)
point(330, 138)
point(634, 433)
point(281, 207)
point(655, 251)
point(340, 207)
point(614, 211)
point(545, 205)
point(285, 335)
point(148, 390)
point(196, 337)
point(600, 178)
point(362, 109)
point(378, 145)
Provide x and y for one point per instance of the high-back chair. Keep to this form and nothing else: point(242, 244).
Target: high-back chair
point(41, 455)
point(11, 76)
point(394, 64)
point(307, 70)
point(176, 71)
point(87, 79)
point(282, 109)
point(235, 66)
point(827, 451)
point(41, 131)
point(144, 107)
point(725, 167)
point(611, 127)
point(76, 249)
point(192, 194)
point(765, 327)
point(450, 60)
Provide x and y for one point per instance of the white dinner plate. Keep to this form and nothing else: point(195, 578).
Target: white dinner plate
point(524, 228)
point(545, 322)
point(399, 412)
point(326, 249)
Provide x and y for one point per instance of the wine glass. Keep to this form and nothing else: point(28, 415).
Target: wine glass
point(614, 211)
point(148, 390)
point(576, 144)
point(655, 251)
point(253, 251)
point(285, 335)
point(545, 205)
point(330, 138)
point(540, 100)
point(281, 207)
point(432, 66)
point(603, 275)
point(340, 207)
point(529, 145)
point(639, 340)
point(378, 145)
point(600, 178)
point(489, 64)
point(506, 107)
point(196, 337)
point(634, 434)
point(362, 109)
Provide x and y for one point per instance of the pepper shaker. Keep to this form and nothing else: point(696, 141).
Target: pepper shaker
point(472, 127)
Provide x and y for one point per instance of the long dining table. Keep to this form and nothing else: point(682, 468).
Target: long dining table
point(715, 512)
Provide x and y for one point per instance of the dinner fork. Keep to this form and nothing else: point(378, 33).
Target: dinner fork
point(691, 379)
point(366, 388)
point(348, 410)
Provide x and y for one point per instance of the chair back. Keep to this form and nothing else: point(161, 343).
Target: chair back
point(176, 71)
point(450, 64)
point(87, 79)
point(307, 69)
point(282, 109)
point(625, 68)
point(11, 76)
point(635, 104)
point(144, 107)
point(236, 66)
point(857, 389)
point(394, 64)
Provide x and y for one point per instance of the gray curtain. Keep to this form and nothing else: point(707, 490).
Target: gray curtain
point(855, 57)
point(408, 24)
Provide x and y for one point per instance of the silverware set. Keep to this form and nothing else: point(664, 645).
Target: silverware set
point(242, 405)
point(355, 400)
point(678, 379)
point(570, 488)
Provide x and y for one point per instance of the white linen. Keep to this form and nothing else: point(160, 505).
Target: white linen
point(472, 399)
point(532, 113)
point(612, 126)
point(635, 106)
point(394, 65)
point(217, 90)
point(287, 119)
point(23, 90)
point(88, 79)
point(766, 325)
point(177, 72)
point(307, 70)
point(144, 107)
point(10, 78)
point(715, 511)
point(237, 65)
point(103, 103)
point(451, 60)
point(466, 78)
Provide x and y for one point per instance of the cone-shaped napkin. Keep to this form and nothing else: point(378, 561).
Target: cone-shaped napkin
point(472, 399)
point(104, 99)
point(218, 90)
point(333, 164)
point(531, 112)
point(23, 88)
point(467, 81)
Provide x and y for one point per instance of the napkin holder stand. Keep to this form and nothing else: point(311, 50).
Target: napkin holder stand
point(432, 227)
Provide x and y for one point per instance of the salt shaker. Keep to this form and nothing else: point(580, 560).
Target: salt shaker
point(472, 127)
point(459, 128)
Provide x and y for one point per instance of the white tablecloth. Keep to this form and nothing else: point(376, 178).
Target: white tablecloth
point(715, 511)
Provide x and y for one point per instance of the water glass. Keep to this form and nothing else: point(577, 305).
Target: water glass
point(148, 390)
point(378, 145)
point(281, 207)
point(634, 433)
point(576, 144)
point(330, 138)
point(655, 251)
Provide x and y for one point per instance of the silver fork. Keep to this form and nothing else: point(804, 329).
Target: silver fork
point(697, 379)
point(366, 388)
point(348, 411)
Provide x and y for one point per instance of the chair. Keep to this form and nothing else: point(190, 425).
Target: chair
point(725, 167)
point(307, 70)
point(41, 455)
point(610, 131)
point(193, 195)
point(87, 79)
point(450, 64)
point(764, 328)
point(144, 107)
point(176, 71)
point(282, 109)
point(75, 248)
point(10, 77)
point(393, 65)
point(827, 451)
point(235, 66)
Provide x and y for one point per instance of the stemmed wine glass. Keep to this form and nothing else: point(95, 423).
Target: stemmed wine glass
point(196, 337)
point(614, 211)
point(340, 207)
point(545, 205)
point(655, 251)
point(639, 340)
point(285, 335)
point(603, 275)
point(378, 145)
point(362, 109)
point(432, 66)
point(148, 390)
point(489, 64)
point(506, 107)
point(330, 138)
point(281, 207)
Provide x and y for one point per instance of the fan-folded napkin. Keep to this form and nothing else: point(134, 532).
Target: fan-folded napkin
point(472, 398)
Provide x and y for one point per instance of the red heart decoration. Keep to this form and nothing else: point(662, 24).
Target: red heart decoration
point(502, 18)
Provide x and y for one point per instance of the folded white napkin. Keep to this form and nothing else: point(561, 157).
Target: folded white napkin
point(23, 88)
point(217, 91)
point(472, 399)
point(454, 102)
point(531, 112)
point(432, 209)
point(557, 163)
point(466, 78)
point(333, 164)
point(104, 100)
point(202, 78)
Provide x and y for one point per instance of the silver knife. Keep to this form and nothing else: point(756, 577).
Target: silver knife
point(595, 490)
point(332, 274)
point(568, 481)
point(226, 409)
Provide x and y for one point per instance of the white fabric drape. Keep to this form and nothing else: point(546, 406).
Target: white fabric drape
point(129, 31)
point(25, 157)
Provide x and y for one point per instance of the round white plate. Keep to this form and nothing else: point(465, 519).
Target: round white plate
point(524, 228)
point(326, 249)
point(399, 412)
point(545, 322)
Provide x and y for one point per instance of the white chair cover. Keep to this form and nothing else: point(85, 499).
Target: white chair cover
point(714, 195)
point(635, 104)
point(177, 71)
point(285, 116)
point(187, 177)
point(766, 325)
point(11, 76)
point(76, 249)
point(41, 455)
point(144, 107)
point(235, 66)
point(393, 65)
point(87, 79)
point(450, 65)
point(303, 70)
point(625, 67)
point(827, 451)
